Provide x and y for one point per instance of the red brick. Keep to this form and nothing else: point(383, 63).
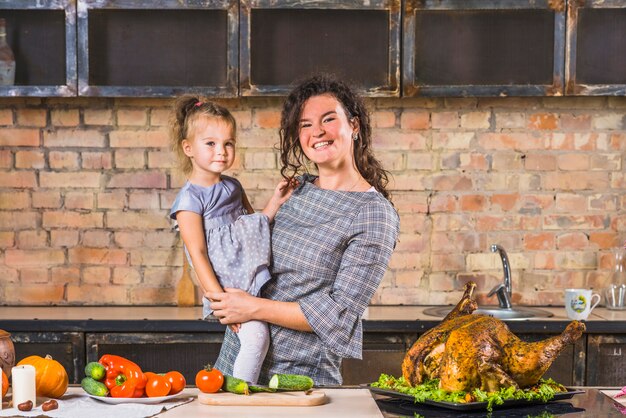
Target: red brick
point(130, 158)
point(473, 203)
point(543, 121)
point(141, 200)
point(260, 160)
point(403, 182)
point(533, 203)
point(243, 119)
point(97, 160)
point(605, 203)
point(137, 220)
point(150, 257)
point(6, 159)
point(6, 117)
point(506, 202)
point(19, 137)
point(420, 161)
point(574, 222)
point(161, 239)
point(34, 275)
point(34, 257)
point(112, 200)
point(606, 162)
point(73, 138)
point(392, 139)
point(617, 141)
point(100, 294)
point(79, 200)
point(68, 219)
point(578, 260)
point(126, 239)
point(267, 118)
point(63, 238)
point(139, 139)
point(539, 241)
point(540, 162)
point(544, 261)
point(495, 223)
point(152, 295)
point(139, 180)
point(507, 161)
point(32, 239)
point(66, 180)
point(452, 140)
point(443, 203)
point(569, 203)
point(96, 275)
point(476, 120)
point(8, 275)
point(452, 182)
point(577, 180)
point(447, 262)
point(161, 159)
point(98, 116)
point(126, 275)
point(473, 161)
point(444, 120)
point(83, 255)
point(96, 238)
point(7, 239)
point(64, 275)
point(257, 138)
point(160, 117)
point(30, 159)
point(414, 120)
point(35, 294)
point(14, 200)
point(575, 122)
point(383, 119)
point(608, 121)
point(132, 117)
point(63, 160)
point(167, 198)
point(46, 199)
point(411, 203)
point(603, 240)
point(31, 117)
point(18, 179)
point(64, 117)
point(572, 241)
point(573, 162)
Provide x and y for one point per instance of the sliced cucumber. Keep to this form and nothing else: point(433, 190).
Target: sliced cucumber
point(291, 382)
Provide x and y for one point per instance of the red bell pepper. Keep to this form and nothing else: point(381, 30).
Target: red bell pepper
point(123, 377)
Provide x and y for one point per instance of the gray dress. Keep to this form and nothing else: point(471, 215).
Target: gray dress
point(238, 243)
point(330, 250)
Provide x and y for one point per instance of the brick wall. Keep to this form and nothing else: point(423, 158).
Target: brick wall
point(86, 184)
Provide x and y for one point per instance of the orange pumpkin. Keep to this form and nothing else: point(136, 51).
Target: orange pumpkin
point(50, 376)
point(5, 384)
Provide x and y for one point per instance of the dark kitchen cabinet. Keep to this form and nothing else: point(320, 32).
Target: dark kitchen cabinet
point(283, 41)
point(605, 360)
point(483, 48)
point(158, 352)
point(569, 366)
point(42, 36)
point(68, 348)
point(596, 48)
point(164, 48)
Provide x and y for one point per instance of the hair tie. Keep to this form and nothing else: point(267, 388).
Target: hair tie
point(198, 104)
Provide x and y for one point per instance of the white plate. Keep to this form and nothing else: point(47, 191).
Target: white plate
point(115, 401)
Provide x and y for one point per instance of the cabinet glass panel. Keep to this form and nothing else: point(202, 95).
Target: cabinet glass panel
point(481, 48)
point(42, 37)
point(283, 42)
point(184, 46)
point(596, 53)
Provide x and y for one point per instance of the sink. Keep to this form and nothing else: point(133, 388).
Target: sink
point(516, 312)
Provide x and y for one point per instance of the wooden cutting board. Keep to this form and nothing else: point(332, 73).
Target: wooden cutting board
point(315, 397)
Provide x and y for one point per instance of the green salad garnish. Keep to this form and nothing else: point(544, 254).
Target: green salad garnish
point(543, 391)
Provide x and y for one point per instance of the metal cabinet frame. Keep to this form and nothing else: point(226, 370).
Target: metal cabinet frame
point(69, 88)
point(411, 89)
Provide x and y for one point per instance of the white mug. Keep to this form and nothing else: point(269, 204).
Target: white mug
point(579, 303)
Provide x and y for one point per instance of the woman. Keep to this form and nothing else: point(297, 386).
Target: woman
point(331, 241)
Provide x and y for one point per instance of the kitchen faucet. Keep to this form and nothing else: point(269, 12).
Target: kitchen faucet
point(503, 290)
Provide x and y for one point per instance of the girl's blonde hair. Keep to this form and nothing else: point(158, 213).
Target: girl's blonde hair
point(187, 109)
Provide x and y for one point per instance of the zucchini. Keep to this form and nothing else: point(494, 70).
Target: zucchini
point(93, 387)
point(291, 382)
point(234, 385)
point(95, 370)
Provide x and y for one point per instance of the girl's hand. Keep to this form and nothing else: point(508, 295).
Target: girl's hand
point(233, 306)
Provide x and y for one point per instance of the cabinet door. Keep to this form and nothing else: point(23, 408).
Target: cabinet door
point(159, 352)
point(596, 48)
point(382, 353)
point(283, 41)
point(68, 348)
point(606, 356)
point(483, 47)
point(157, 49)
point(42, 36)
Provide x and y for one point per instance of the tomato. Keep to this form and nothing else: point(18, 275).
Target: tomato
point(157, 386)
point(177, 380)
point(209, 379)
point(5, 384)
point(149, 375)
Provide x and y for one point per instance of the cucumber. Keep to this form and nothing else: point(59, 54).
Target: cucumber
point(93, 387)
point(291, 382)
point(234, 385)
point(256, 389)
point(95, 370)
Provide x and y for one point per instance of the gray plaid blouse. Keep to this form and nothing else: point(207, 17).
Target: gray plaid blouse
point(330, 250)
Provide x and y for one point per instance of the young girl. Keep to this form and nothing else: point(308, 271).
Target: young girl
point(227, 244)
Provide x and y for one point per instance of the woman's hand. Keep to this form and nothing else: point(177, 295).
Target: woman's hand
point(233, 306)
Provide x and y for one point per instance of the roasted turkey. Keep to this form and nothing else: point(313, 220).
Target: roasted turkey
point(467, 351)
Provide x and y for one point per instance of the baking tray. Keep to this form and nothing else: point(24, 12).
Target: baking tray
point(473, 406)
